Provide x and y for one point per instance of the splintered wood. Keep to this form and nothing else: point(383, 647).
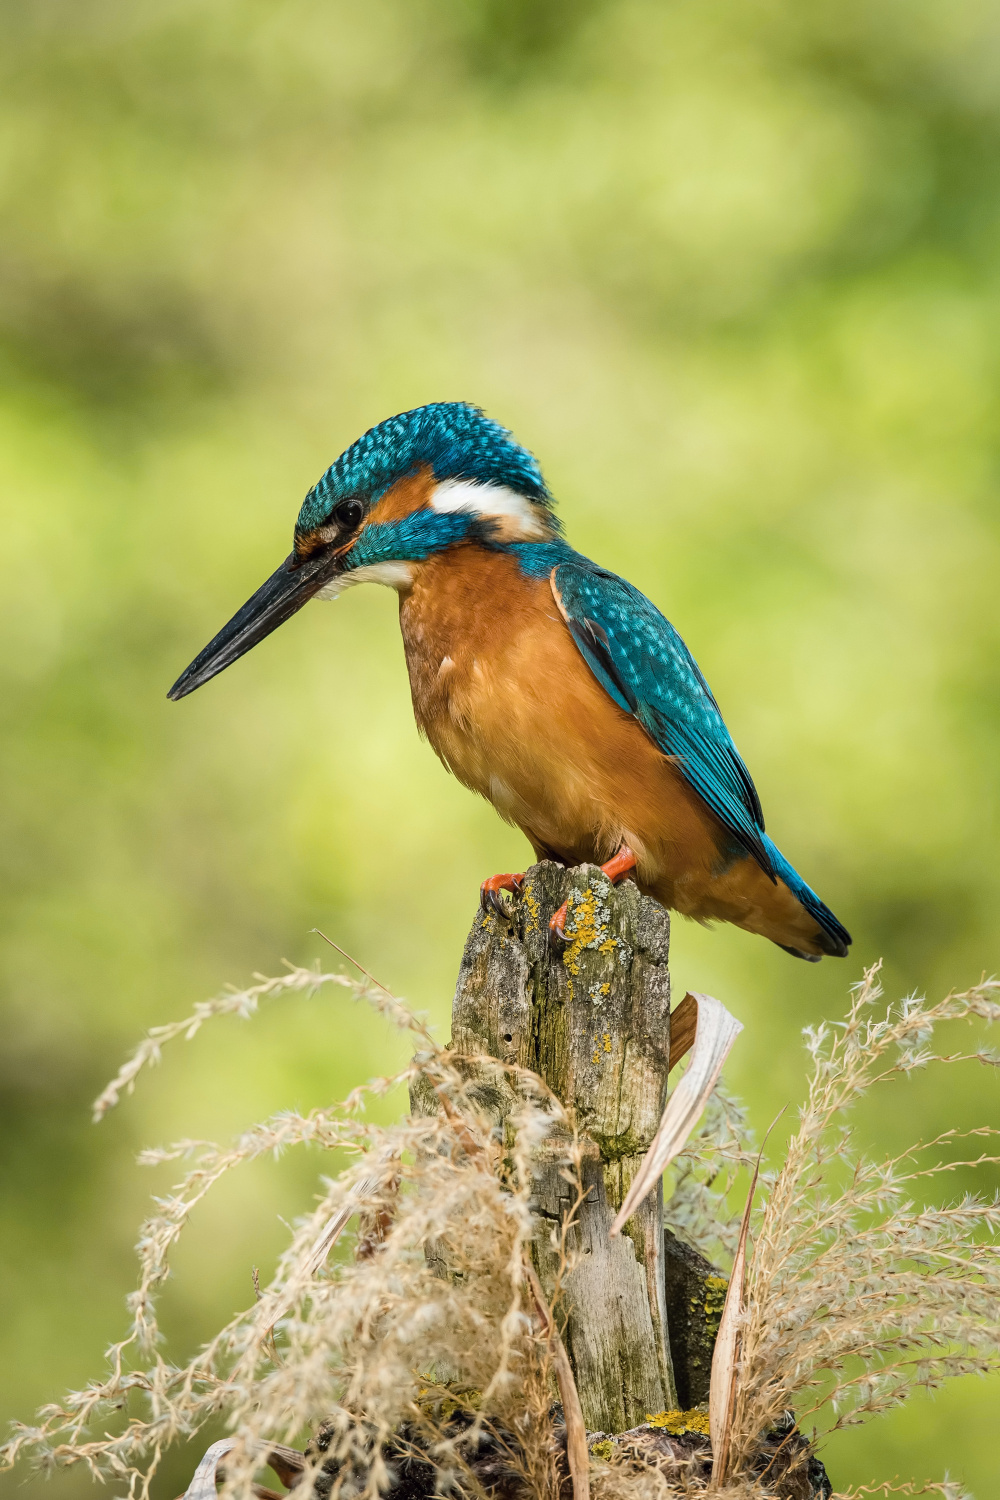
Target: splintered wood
point(592, 1018)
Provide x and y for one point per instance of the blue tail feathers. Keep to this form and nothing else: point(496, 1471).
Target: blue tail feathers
point(836, 938)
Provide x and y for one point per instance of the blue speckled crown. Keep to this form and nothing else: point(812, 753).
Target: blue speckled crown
point(455, 439)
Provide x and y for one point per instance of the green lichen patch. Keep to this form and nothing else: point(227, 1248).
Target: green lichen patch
point(614, 1147)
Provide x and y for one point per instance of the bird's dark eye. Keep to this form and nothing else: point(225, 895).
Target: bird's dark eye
point(348, 514)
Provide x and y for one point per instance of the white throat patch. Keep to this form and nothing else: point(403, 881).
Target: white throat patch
point(527, 519)
point(394, 575)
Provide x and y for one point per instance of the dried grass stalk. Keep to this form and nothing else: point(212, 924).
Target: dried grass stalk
point(576, 1429)
point(855, 1293)
point(860, 1290)
point(704, 1175)
point(350, 1344)
point(946, 1488)
point(231, 1002)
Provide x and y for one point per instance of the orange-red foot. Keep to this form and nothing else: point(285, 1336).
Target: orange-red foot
point(489, 893)
point(615, 868)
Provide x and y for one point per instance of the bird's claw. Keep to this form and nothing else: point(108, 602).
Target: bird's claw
point(615, 869)
point(490, 898)
point(557, 924)
point(494, 902)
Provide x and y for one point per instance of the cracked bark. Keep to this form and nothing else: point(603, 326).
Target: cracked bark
point(593, 1019)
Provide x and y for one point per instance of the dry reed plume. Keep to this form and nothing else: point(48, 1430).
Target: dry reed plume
point(858, 1291)
point(855, 1294)
point(354, 1345)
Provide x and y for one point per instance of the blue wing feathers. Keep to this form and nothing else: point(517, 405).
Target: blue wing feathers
point(638, 657)
point(600, 662)
point(838, 934)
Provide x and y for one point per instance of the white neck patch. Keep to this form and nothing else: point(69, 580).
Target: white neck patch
point(527, 519)
point(394, 575)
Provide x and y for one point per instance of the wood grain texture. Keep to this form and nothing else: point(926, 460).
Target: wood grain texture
point(593, 1019)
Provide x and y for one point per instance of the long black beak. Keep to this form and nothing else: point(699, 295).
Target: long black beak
point(284, 593)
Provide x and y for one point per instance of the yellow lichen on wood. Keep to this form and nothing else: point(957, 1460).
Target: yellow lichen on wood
point(715, 1298)
point(679, 1422)
point(587, 927)
point(602, 1046)
point(530, 900)
point(583, 932)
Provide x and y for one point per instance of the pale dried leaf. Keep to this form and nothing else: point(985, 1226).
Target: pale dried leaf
point(717, 1031)
point(722, 1388)
point(202, 1486)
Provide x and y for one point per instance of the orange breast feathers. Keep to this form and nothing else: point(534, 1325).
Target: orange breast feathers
point(511, 707)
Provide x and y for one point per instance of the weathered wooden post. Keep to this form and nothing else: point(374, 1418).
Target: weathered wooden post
point(593, 1019)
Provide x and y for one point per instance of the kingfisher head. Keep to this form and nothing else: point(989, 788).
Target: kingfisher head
point(429, 479)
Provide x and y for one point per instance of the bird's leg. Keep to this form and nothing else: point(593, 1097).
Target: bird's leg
point(615, 869)
point(489, 893)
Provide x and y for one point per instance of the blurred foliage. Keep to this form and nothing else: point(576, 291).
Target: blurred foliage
point(732, 269)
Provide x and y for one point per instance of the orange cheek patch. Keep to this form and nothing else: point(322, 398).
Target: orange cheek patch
point(407, 495)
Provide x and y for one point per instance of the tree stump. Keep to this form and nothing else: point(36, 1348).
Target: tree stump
point(591, 1017)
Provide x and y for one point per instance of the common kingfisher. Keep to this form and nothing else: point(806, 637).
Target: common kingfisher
point(544, 682)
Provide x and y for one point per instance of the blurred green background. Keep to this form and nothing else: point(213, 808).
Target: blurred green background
point(731, 268)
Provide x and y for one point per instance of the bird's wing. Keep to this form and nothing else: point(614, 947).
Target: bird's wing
point(640, 660)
